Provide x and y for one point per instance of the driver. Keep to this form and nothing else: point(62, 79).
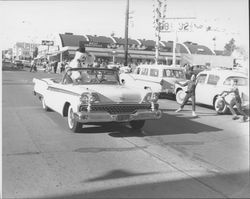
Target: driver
point(99, 78)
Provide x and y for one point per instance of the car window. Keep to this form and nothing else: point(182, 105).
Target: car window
point(168, 73)
point(201, 78)
point(154, 72)
point(144, 71)
point(90, 76)
point(173, 73)
point(241, 81)
point(213, 79)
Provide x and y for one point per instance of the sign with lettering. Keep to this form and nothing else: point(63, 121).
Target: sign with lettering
point(47, 43)
point(181, 26)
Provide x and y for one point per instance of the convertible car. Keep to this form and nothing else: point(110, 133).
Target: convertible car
point(94, 95)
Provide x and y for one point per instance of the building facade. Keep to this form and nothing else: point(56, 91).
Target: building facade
point(23, 50)
point(112, 50)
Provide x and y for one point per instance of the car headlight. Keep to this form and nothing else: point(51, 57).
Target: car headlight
point(89, 98)
point(151, 97)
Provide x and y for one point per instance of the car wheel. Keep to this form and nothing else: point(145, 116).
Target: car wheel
point(137, 124)
point(72, 123)
point(220, 106)
point(45, 107)
point(180, 95)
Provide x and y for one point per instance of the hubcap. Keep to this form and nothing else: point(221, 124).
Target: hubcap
point(180, 96)
point(220, 105)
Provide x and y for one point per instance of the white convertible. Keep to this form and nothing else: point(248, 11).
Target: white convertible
point(92, 95)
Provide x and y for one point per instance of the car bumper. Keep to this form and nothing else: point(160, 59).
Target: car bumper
point(88, 117)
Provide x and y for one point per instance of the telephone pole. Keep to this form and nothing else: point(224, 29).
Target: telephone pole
point(159, 16)
point(126, 34)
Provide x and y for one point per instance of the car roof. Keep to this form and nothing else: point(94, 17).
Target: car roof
point(223, 73)
point(160, 66)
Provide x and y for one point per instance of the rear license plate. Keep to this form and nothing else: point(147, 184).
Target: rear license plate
point(123, 117)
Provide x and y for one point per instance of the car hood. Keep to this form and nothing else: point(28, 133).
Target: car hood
point(111, 93)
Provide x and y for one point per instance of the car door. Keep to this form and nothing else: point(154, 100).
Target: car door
point(142, 78)
point(56, 94)
point(206, 88)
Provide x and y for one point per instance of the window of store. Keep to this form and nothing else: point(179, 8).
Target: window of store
point(170, 62)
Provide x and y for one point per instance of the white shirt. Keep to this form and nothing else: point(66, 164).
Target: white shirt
point(84, 58)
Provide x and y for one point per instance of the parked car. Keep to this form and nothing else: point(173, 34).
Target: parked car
point(18, 64)
point(211, 83)
point(125, 69)
point(26, 63)
point(84, 99)
point(160, 78)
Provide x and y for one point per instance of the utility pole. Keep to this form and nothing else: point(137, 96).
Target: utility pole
point(126, 34)
point(159, 10)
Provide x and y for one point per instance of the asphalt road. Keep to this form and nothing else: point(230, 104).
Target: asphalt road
point(177, 156)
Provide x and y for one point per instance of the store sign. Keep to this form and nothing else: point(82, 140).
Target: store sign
point(47, 43)
point(181, 26)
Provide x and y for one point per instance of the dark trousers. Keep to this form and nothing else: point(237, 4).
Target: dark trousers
point(238, 106)
point(188, 95)
point(33, 67)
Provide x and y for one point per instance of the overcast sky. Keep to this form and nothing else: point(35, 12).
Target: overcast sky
point(39, 20)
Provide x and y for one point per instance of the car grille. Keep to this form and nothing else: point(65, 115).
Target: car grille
point(118, 108)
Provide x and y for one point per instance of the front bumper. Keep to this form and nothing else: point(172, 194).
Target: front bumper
point(91, 117)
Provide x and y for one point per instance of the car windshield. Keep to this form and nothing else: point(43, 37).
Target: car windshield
point(173, 73)
point(92, 76)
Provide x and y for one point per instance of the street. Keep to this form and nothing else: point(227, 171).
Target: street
point(177, 156)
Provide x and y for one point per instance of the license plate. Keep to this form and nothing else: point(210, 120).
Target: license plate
point(122, 117)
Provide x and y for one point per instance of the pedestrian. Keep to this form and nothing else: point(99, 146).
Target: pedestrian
point(55, 66)
point(190, 93)
point(33, 65)
point(235, 100)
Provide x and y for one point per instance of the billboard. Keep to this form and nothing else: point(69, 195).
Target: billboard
point(47, 43)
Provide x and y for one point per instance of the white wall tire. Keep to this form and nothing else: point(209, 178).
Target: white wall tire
point(180, 95)
point(45, 107)
point(220, 106)
point(72, 123)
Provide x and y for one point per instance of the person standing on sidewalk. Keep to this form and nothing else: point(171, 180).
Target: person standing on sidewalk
point(33, 66)
point(235, 100)
point(190, 93)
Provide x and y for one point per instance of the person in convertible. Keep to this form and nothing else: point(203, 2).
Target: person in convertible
point(82, 59)
point(100, 78)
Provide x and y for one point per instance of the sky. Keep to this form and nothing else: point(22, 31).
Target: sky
point(34, 21)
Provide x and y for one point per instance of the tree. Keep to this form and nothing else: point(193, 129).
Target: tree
point(229, 47)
